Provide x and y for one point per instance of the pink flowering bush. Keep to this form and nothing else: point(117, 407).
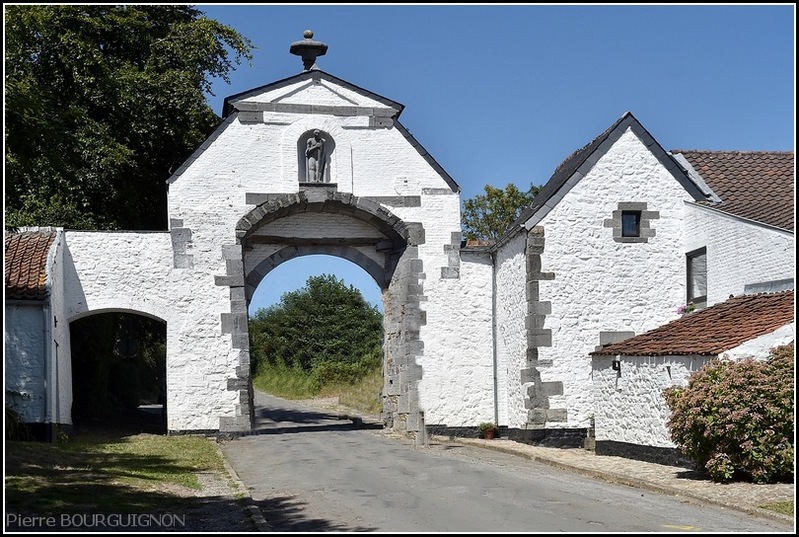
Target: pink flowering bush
point(736, 419)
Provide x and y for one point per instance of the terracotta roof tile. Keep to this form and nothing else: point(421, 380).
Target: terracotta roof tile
point(26, 264)
point(758, 185)
point(713, 330)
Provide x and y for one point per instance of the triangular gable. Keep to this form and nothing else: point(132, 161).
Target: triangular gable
point(251, 100)
point(315, 88)
point(287, 88)
point(578, 164)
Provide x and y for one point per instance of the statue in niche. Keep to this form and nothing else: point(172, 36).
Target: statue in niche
point(315, 158)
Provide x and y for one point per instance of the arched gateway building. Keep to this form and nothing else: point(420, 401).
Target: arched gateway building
point(622, 234)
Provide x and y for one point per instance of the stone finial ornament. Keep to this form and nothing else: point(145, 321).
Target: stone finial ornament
point(309, 50)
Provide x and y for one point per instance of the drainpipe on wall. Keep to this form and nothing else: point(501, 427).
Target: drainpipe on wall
point(494, 334)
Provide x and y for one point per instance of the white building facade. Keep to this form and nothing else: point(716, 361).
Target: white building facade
point(472, 334)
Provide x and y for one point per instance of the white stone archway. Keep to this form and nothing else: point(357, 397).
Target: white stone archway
point(320, 220)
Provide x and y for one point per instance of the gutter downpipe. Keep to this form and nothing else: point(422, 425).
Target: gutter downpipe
point(51, 416)
point(494, 333)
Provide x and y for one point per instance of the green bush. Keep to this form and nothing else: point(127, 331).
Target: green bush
point(326, 322)
point(736, 419)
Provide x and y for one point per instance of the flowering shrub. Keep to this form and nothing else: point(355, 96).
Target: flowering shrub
point(688, 308)
point(736, 419)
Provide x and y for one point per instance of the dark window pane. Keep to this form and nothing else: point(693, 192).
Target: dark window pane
point(631, 223)
point(697, 275)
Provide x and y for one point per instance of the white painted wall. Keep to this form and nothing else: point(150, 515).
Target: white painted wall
point(59, 341)
point(457, 387)
point(603, 285)
point(39, 374)
point(630, 407)
point(739, 252)
point(511, 310)
point(132, 272)
point(256, 152)
point(600, 285)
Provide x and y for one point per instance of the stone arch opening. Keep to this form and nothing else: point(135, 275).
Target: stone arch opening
point(328, 339)
point(290, 274)
point(323, 221)
point(288, 253)
point(118, 360)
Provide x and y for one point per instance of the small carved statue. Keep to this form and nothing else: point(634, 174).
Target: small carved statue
point(315, 155)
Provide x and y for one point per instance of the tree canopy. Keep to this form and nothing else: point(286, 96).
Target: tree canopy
point(103, 103)
point(325, 322)
point(488, 216)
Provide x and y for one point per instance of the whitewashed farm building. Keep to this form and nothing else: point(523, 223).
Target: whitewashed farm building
point(622, 234)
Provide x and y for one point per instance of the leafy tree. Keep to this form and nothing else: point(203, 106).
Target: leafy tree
point(488, 216)
point(325, 328)
point(103, 102)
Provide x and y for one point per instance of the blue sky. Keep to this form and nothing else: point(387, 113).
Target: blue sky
point(504, 93)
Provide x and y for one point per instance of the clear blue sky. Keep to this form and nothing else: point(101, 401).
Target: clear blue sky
point(504, 93)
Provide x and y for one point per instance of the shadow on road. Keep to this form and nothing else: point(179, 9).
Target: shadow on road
point(277, 416)
point(285, 514)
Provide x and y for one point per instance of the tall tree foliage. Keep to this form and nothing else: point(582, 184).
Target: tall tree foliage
point(488, 216)
point(103, 102)
point(323, 323)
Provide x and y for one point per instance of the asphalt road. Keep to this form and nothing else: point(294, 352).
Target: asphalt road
point(309, 471)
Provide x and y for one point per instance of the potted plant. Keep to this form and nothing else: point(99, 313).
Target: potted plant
point(488, 430)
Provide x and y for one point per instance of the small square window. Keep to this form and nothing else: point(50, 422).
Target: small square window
point(631, 223)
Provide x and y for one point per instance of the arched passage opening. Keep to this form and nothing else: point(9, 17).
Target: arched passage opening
point(119, 371)
point(316, 331)
point(320, 220)
point(294, 275)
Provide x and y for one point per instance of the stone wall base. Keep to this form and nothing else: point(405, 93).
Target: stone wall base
point(658, 455)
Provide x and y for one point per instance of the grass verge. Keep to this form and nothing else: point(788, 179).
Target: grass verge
point(287, 383)
point(111, 472)
point(785, 508)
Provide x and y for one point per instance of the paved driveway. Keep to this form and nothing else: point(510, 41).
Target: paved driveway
point(307, 470)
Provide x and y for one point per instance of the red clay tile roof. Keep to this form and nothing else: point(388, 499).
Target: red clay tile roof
point(758, 185)
point(26, 264)
point(713, 330)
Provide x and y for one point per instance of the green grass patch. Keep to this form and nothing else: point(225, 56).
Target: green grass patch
point(785, 508)
point(285, 382)
point(364, 395)
point(294, 383)
point(106, 472)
